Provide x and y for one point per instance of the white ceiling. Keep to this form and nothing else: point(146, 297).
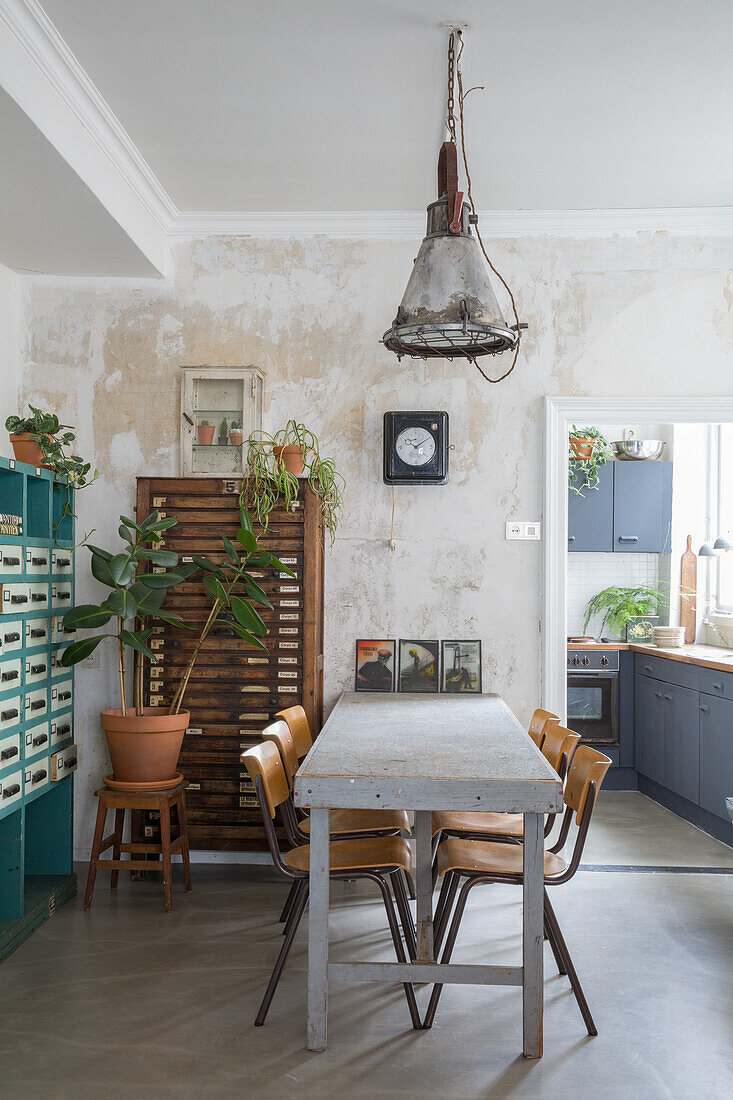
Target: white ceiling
point(336, 104)
point(50, 221)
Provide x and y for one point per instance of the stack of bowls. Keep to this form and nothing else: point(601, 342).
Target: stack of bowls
point(668, 637)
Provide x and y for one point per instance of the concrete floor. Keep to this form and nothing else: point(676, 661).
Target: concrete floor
point(126, 1001)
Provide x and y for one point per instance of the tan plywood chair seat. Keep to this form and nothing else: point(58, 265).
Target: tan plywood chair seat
point(478, 821)
point(353, 855)
point(484, 858)
point(363, 821)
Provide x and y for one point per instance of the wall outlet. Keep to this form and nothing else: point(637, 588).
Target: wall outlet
point(522, 530)
point(629, 433)
point(92, 661)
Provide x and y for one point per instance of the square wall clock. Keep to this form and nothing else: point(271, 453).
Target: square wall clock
point(416, 448)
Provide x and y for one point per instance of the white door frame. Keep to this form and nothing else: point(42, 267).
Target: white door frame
point(560, 413)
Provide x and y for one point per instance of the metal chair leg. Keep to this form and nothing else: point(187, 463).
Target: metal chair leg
point(410, 882)
point(554, 926)
point(288, 903)
point(299, 888)
point(448, 951)
point(549, 935)
point(442, 924)
point(403, 909)
point(295, 919)
point(399, 949)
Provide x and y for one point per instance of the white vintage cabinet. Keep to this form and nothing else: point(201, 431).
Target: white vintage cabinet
point(220, 397)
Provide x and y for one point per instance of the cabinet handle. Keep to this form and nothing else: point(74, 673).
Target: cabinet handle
point(7, 754)
point(9, 676)
point(571, 538)
point(705, 710)
point(11, 638)
point(11, 561)
point(38, 776)
point(628, 538)
point(668, 698)
point(718, 687)
point(6, 715)
point(657, 695)
point(647, 668)
point(41, 739)
point(10, 791)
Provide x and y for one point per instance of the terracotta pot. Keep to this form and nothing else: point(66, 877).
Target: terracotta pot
point(144, 749)
point(206, 434)
point(582, 446)
point(235, 438)
point(27, 450)
point(291, 457)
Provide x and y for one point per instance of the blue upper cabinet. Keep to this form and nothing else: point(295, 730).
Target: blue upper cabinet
point(642, 507)
point(630, 511)
point(590, 516)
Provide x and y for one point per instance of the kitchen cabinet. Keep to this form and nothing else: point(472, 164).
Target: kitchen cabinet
point(716, 753)
point(642, 507)
point(590, 516)
point(629, 512)
point(682, 742)
point(649, 729)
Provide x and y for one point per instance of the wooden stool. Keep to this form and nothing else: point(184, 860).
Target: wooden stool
point(119, 801)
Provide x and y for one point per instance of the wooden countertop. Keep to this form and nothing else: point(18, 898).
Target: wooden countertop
point(706, 656)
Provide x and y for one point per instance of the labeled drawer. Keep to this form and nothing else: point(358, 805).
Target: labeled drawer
point(716, 683)
point(10, 674)
point(61, 594)
point(671, 672)
point(62, 561)
point(9, 750)
point(36, 704)
point(37, 668)
point(62, 695)
point(15, 598)
point(61, 633)
point(37, 559)
point(57, 668)
point(11, 636)
point(11, 711)
point(11, 791)
point(11, 559)
point(64, 762)
point(62, 729)
point(37, 633)
point(38, 596)
point(37, 775)
point(37, 740)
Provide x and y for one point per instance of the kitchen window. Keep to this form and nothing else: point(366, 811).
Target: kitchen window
point(724, 526)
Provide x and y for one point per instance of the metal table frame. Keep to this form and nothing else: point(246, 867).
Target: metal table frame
point(425, 753)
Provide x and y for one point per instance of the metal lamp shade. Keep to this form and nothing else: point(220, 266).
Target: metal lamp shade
point(707, 550)
point(449, 308)
point(722, 543)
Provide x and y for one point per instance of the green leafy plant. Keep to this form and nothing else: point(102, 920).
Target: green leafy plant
point(583, 469)
point(267, 481)
point(232, 591)
point(204, 424)
point(618, 605)
point(235, 426)
point(132, 597)
point(44, 429)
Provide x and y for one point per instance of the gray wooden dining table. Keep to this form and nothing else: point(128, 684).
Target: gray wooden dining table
point(425, 752)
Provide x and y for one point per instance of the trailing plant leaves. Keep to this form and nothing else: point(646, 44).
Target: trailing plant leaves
point(135, 641)
point(101, 570)
point(86, 616)
point(159, 557)
point(122, 604)
point(79, 651)
point(247, 617)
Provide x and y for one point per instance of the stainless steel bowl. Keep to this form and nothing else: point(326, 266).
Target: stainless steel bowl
point(643, 450)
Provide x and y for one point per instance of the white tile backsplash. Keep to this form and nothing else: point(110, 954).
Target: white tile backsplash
point(590, 573)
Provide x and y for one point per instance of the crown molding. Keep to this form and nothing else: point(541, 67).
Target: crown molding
point(410, 224)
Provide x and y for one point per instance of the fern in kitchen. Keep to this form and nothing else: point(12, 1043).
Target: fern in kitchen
point(617, 605)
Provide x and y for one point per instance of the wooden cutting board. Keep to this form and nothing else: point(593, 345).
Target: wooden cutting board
point(688, 593)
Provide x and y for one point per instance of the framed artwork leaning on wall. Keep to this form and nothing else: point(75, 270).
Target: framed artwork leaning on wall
point(461, 663)
point(418, 665)
point(375, 665)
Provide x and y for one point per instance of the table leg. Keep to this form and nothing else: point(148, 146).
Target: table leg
point(424, 869)
point(532, 978)
point(318, 930)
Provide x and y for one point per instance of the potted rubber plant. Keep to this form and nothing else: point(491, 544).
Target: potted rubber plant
point(588, 450)
point(274, 465)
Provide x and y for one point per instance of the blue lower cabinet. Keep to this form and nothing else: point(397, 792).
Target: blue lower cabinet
point(682, 742)
point(716, 753)
point(649, 728)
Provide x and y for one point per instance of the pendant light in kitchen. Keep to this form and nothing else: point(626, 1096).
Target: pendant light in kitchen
point(449, 309)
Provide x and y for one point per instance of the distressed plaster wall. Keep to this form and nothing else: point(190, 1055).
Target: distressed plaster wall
point(9, 336)
point(647, 315)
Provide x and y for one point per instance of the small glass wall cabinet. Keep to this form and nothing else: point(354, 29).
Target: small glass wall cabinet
point(220, 408)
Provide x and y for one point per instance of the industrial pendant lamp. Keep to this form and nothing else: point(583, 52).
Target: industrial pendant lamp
point(449, 308)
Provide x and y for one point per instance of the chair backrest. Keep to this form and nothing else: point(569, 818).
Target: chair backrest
point(264, 761)
point(558, 746)
point(540, 720)
point(587, 766)
point(297, 722)
point(280, 735)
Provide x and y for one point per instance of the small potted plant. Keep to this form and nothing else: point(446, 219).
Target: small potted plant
point(30, 436)
point(235, 433)
point(620, 606)
point(588, 450)
point(274, 464)
point(205, 432)
point(223, 433)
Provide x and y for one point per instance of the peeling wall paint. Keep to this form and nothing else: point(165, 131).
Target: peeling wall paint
point(646, 315)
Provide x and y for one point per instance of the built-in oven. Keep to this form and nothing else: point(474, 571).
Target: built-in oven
point(593, 695)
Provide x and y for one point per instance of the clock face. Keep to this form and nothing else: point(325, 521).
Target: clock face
point(415, 446)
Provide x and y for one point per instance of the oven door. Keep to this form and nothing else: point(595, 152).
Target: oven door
point(593, 706)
